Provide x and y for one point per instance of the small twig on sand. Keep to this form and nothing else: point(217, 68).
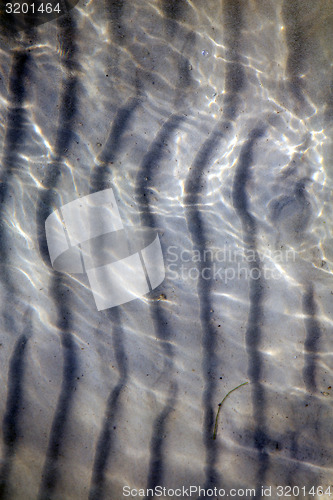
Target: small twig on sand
point(220, 405)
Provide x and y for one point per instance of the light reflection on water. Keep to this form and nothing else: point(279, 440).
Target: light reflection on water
point(129, 80)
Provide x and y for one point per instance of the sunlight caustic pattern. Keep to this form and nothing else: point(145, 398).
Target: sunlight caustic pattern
point(209, 126)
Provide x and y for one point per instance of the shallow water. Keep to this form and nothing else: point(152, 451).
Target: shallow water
point(211, 122)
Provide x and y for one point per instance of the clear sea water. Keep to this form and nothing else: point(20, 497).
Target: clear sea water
point(212, 122)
